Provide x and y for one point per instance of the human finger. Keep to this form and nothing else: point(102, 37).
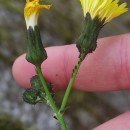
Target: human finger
point(106, 69)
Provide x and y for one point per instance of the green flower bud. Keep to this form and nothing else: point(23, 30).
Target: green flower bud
point(87, 41)
point(36, 83)
point(36, 53)
point(30, 96)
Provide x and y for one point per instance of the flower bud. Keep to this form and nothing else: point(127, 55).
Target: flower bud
point(36, 53)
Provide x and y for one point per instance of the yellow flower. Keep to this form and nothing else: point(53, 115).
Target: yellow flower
point(31, 12)
point(103, 9)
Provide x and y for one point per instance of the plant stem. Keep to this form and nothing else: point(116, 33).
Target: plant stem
point(50, 100)
point(68, 90)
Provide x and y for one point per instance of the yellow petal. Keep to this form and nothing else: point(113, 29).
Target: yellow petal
point(104, 9)
point(31, 12)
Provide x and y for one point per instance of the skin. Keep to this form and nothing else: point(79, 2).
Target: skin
point(106, 69)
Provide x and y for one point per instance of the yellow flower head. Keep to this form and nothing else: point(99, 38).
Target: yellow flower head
point(31, 12)
point(103, 9)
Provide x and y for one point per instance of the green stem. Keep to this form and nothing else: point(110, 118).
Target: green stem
point(68, 90)
point(50, 100)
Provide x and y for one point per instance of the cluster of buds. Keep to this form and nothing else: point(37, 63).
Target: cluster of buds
point(36, 94)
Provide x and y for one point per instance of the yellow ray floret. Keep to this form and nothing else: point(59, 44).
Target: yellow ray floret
point(31, 11)
point(104, 9)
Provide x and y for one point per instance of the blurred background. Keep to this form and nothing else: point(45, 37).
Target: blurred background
point(59, 26)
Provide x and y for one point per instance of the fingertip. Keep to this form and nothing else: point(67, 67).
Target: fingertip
point(100, 71)
point(22, 71)
point(54, 69)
